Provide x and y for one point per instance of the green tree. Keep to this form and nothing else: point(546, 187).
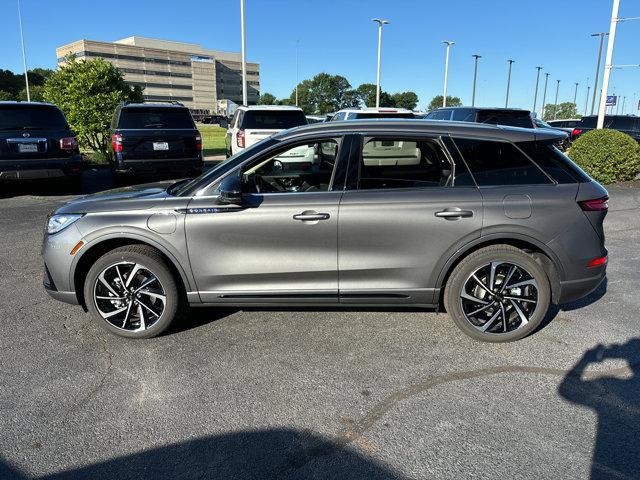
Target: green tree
point(560, 111)
point(367, 92)
point(323, 93)
point(6, 96)
point(39, 76)
point(436, 102)
point(36, 93)
point(88, 92)
point(267, 99)
point(10, 82)
point(407, 100)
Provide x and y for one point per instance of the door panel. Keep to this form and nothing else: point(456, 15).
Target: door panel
point(261, 250)
point(391, 240)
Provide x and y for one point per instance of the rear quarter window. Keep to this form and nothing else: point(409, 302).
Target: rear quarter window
point(499, 163)
point(556, 164)
point(39, 117)
point(149, 118)
point(276, 120)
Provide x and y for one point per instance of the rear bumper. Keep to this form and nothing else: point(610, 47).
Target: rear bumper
point(153, 165)
point(40, 168)
point(572, 290)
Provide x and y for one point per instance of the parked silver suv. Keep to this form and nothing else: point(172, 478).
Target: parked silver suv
point(492, 223)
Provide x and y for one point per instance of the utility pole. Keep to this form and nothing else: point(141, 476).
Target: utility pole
point(595, 85)
point(475, 78)
point(607, 62)
point(506, 100)
point(544, 95)
point(24, 55)
point(446, 71)
point(380, 22)
point(244, 55)
point(535, 95)
point(555, 108)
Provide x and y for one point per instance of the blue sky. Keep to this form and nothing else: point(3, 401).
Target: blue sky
point(337, 36)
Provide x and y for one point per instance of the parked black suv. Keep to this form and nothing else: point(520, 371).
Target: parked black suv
point(36, 143)
point(511, 117)
point(155, 138)
point(628, 124)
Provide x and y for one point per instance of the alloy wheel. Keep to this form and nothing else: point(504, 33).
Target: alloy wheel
point(129, 296)
point(499, 297)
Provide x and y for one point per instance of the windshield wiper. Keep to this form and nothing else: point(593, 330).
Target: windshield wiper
point(154, 125)
point(22, 127)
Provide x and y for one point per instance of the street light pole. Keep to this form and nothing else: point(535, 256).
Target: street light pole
point(506, 100)
point(297, 81)
point(544, 95)
point(244, 55)
point(555, 108)
point(624, 100)
point(446, 71)
point(586, 100)
point(475, 78)
point(380, 22)
point(24, 55)
point(535, 95)
point(595, 84)
point(607, 62)
point(575, 96)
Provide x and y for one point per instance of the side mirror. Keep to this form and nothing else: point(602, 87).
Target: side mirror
point(224, 123)
point(231, 190)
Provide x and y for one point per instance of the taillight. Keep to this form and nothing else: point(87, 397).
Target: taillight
point(575, 132)
point(240, 138)
point(198, 142)
point(68, 143)
point(595, 205)
point(116, 141)
point(596, 262)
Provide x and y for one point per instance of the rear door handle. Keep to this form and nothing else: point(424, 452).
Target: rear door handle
point(311, 216)
point(454, 213)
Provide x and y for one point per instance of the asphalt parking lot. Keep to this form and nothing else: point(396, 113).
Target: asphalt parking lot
point(311, 393)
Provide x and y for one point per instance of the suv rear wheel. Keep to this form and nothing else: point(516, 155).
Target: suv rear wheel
point(498, 294)
point(132, 292)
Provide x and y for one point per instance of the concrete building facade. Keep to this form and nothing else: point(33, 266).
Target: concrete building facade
point(174, 71)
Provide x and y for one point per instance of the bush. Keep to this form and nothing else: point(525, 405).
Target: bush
point(607, 155)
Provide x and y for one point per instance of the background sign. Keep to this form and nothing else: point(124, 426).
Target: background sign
point(611, 100)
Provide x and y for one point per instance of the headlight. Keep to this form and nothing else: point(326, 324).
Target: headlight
point(57, 223)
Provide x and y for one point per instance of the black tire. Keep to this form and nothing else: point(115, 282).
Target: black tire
point(516, 328)
point(151, 261)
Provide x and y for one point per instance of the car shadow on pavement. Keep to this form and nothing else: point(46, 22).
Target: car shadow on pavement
point(614, 396)
point(256, 454)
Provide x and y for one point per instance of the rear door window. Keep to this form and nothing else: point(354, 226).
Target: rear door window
point(499, 163)
point(149, 118)
point(272, 119)
point(31, 117)
point(623, 123)
point(463, 115)
point(507, 118)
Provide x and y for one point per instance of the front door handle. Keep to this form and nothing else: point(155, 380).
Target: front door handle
point(454, 213)
point(311, 216)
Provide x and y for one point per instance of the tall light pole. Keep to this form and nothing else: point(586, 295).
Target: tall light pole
point(607, 62)
point(506, 100)
point(544, 95)
point(297, 81)
point(624, 100)
point(244, 55)
point(475, 78)
point(380, 23)
point(586, 100)
point(575, 95)
point(446, 71)
point(535, 95)
point(595, 84)
point(24, 55)
point(555, 107)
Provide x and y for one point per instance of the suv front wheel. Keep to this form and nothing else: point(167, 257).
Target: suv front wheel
point(498, 294)
point(132, 292)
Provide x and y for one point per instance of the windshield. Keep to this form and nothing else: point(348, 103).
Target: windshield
point(275, 119)
point(384, 115)
point(192, 187)
point(31, 117)
point(138, 118)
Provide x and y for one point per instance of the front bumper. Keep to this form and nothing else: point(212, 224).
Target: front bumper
point(58, 263)
point(11, 170)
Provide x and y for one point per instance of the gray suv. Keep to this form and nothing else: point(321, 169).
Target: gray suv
point(491, 223)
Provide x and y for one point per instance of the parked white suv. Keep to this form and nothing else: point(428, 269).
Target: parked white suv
point(382, 112)
point(251, 124)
